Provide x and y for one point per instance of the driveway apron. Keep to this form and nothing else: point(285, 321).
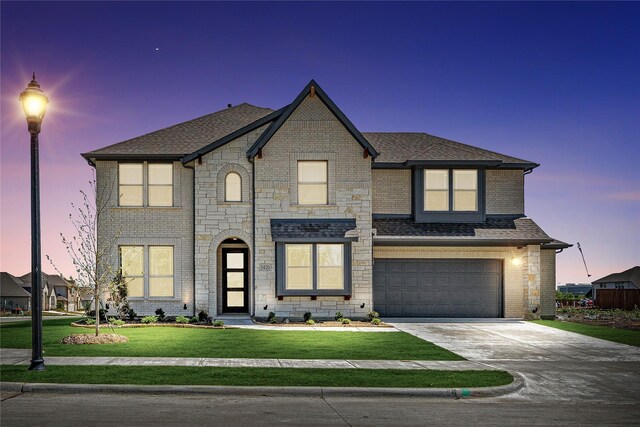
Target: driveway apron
point(557, 365)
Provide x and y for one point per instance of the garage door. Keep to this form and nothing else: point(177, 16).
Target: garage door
point(438, 287)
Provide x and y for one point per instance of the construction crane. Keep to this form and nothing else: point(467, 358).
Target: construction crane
point(583, 261)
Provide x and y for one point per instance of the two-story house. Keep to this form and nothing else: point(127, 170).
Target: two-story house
point(250, 210)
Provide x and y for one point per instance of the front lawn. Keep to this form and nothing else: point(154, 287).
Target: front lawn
point(624, 336)
point(180, 375)
point(230, 343)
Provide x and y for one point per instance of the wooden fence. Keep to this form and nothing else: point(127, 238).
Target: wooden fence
point(624, 299)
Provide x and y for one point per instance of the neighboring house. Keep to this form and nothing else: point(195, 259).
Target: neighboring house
point(250, 210)
point(55, 289)
point(628, 279)
point(12, 294)
point(584, 289)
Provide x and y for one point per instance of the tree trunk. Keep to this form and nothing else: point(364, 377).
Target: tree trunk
point(97, 305)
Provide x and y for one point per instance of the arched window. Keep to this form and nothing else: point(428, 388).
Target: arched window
point(232, 187)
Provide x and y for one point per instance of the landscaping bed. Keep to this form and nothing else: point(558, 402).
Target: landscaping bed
point(329, 323)
point(619, 319)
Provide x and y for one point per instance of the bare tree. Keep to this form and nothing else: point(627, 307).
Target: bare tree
point(92, 258)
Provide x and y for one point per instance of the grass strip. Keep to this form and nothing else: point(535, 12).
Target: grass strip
point(183, 375)
point(230, 343)
point(623, 336)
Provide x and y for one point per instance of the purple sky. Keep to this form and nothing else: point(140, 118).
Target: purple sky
point(555, 83)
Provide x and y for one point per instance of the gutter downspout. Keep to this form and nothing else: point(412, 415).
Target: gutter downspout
point(193, 234)
point(253, 240)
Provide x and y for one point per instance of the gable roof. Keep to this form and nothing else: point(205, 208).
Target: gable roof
point(11, 286)
point(273, 128)
point(48, 280)
point(404, 147)
point(184, 138)
point(631, 275)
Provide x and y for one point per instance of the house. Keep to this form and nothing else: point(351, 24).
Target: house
point(12, 295)
point(251, 210)
point(57, 292)
point(584, 289)
point(618, 290)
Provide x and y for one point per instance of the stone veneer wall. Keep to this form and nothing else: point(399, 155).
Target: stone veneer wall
point(313, 133)
point(145, 226)
point(548, 283)
point(504, 191)
point(217, 220)
point(391, 191)
point(516, 285)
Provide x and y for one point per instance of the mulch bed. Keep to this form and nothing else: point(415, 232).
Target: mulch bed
point(600, 318)
point(92, 339)
point(329, 323)
point(147, 325)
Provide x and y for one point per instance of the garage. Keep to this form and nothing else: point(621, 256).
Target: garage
point(438, 287)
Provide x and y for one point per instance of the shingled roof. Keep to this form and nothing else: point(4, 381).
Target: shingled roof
point(11, 286)
point(185, 138)
point(301, 229)
point(496, 228)
point(406, 146)
point(631, 275)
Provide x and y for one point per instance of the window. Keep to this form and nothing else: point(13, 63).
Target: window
point(314, 268)
point(160, 271)
point(312, 183)
point(160, 184)
point(131, 263)
point(130, 184)
point(436, 190)
point(462, 198)
point(299, 268)
point(465, 190)
point(232, 187)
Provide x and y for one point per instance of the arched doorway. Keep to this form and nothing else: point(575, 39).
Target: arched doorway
point(233, 276)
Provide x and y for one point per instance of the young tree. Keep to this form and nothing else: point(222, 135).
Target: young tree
point(91, 258)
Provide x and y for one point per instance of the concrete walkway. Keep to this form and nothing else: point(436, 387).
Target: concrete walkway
point(22, 357)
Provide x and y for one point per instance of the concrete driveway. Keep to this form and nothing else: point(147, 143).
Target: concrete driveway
point(556, 365)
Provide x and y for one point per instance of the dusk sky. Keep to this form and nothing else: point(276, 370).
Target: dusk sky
point(554, 83)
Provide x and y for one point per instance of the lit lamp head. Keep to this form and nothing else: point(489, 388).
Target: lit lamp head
point(34, 103)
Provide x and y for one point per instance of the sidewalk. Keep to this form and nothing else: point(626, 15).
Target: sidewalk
point(10, 356)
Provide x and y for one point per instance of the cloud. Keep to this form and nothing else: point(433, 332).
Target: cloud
point(624, 196)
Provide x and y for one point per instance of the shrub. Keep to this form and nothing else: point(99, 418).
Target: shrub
point(218, 323)
point(116, 322)
point(306, 316)
point(149, 319)
point(338, 316)
point(160, 314)
point(182, 319)
point(373, 315)
point(103, 314)
point(345, 321)
point(60, 305)
point(129, 312)
point(376, 321)
point(311, 322)
point(271, 316)
point(193, 320)
point(203, 316)
point(90, 321)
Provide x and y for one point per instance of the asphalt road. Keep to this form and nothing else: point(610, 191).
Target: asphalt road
point(148, 410)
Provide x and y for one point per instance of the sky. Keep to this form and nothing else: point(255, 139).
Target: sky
point(554, 83)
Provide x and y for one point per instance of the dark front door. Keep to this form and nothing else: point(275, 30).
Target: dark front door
point(235, 280)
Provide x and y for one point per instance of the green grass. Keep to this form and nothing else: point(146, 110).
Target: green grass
point(242, 343)
point(624, 336)
point(180, 375)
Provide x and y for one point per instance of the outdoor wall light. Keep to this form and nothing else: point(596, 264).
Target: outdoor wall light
point(34, 104)
point(185, 306)
point(516, 260)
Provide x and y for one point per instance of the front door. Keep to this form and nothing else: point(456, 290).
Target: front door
point(235, 280)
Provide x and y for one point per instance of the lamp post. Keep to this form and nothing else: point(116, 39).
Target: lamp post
point(34, 103)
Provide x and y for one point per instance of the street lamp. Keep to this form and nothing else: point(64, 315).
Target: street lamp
point(34, 103)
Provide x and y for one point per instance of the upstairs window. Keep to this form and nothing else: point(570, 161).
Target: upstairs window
point(451, 190)
point(160, 179)
point(130, 184)
point(232, 187)
point(312, 183)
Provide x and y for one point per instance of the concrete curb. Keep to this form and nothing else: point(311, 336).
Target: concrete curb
point(455, 393)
